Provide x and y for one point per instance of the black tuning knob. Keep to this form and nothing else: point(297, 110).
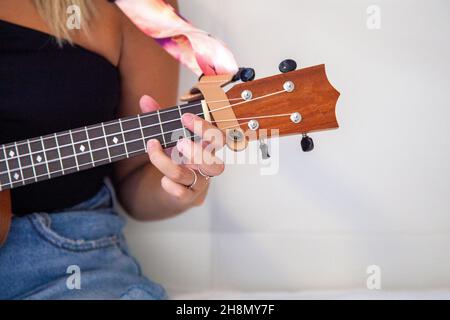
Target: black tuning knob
point(245, 74)
point(287, 65)
point(307, 143)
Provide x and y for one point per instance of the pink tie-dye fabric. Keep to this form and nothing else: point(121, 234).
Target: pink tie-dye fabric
point(193, 47)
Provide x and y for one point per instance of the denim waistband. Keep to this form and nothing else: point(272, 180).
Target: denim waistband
point(103, 199)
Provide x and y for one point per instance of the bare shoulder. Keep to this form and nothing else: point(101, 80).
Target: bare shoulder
point(114, 35)
point(145, 67)
point(108, 17)
point(106, 31)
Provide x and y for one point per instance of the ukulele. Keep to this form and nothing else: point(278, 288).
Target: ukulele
point(293, 102)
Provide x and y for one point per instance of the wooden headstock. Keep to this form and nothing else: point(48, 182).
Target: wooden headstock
point(312, 97)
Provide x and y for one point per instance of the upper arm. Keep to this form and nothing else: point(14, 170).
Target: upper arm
point(145, 68)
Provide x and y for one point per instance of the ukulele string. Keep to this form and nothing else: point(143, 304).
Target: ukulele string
point(166, 144)
point(143, 127)
point(222, 108)
point(124, 143)
point(110, 159)
point(210, 111)
point(150, 137)
point(246, 101)
point(258, 117)
point(139, 117)
point(98, 149)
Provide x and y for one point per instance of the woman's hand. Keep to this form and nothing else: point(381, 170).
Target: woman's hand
point(187, 182)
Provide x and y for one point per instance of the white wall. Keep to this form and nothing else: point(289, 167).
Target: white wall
point(376, 191)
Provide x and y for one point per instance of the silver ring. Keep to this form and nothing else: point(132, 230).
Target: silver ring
point(195, 179)
point(207, 177)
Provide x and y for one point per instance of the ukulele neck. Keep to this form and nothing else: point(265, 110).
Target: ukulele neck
point(54, 155)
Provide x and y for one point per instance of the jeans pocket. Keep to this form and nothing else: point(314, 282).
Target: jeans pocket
point(79, 231)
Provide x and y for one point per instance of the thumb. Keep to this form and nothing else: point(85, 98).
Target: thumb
point(148, 104)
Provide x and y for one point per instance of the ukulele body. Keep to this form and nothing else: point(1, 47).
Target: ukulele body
point(5, 215)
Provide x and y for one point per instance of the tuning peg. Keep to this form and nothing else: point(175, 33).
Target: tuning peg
point(248, 74)
point(307, 143)
point(287, 65)
point(264, 149)
point(245, 75)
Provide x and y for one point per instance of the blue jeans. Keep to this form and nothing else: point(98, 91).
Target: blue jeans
point(79, 253)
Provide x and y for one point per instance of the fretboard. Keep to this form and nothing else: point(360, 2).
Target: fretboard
point(50, 156)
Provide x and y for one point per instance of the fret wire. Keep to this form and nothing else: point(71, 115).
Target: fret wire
point(104, 137)
point(142, 132)
point(57, 171)
point(32, 161)
point(95, 127)
point(99, 149)
point(89, 144)
point(150, 114)
point(106, 142)
point(117, 156)
point(59, 153)
point(1, 185)
point(181, 116)
point(45, 157)
point(20, 163)
point(7, 186)
point(74, 152)
point(7, 165)
point(13, 158)
point(160, 125)
point(123, 137)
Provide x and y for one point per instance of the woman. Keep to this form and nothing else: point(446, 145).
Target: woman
point(66, 240)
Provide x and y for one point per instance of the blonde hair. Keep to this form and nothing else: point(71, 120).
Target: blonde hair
point(55, 13)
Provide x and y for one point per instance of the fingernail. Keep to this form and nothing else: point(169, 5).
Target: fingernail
point(188, 117)
point(145, 99)
point(151, 144)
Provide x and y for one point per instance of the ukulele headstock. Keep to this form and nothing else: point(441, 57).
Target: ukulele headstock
point(294, 102)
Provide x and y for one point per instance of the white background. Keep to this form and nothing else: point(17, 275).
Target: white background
point(376, 191)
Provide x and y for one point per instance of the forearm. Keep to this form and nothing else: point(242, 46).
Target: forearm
point(151, 191)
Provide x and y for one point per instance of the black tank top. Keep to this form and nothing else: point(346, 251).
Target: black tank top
point(46, 89)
